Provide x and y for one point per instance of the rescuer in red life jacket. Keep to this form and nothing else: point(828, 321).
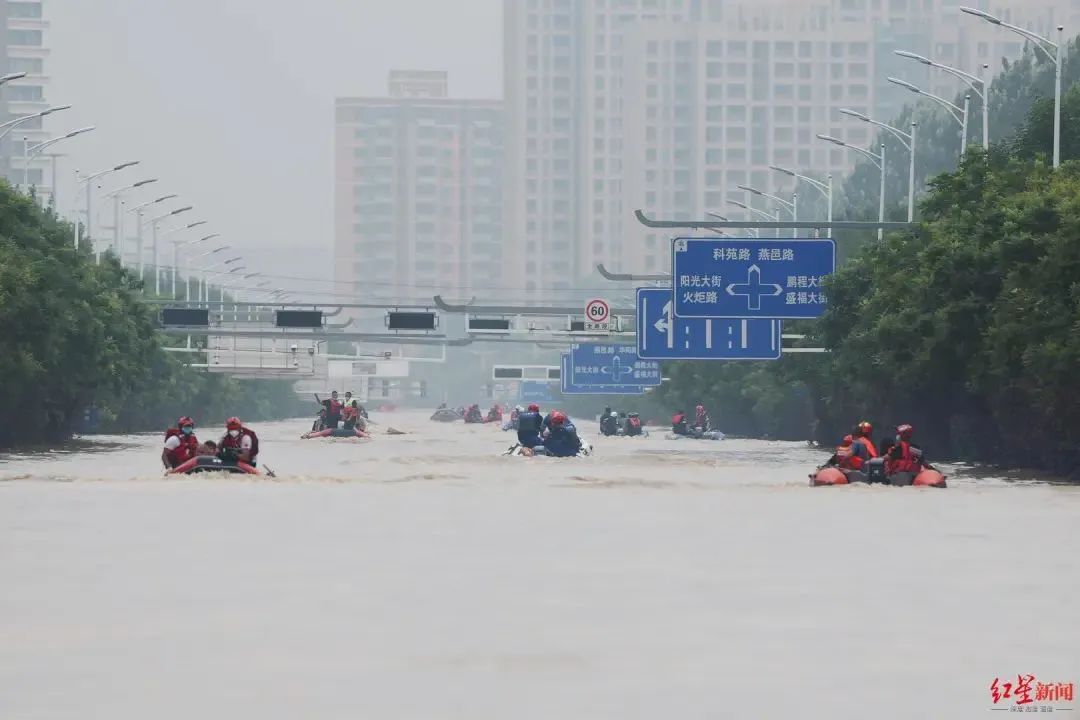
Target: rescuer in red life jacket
point(180, 443)
point(238, 443)
point(846, 459)
point(904, 460)
point(862, 445)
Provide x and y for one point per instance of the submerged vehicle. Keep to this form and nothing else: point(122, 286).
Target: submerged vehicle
point(829, 475)
point(212, 463)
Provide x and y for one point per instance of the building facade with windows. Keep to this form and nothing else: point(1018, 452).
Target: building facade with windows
point(25, 51)
point(667, 105)
point(418, 191)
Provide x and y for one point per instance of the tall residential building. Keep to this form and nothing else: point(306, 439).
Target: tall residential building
point(666, 105)
point(24, 51)
point(563, 63)
point(418, 191)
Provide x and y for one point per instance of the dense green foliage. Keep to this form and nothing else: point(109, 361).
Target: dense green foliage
point(75, 334)
point(969, 327)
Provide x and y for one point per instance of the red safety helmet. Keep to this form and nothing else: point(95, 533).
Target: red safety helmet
point(233, 423)
point(185, 421)
point(558, 418)
point(865, 428)
point(904, 431)
point(533, 407)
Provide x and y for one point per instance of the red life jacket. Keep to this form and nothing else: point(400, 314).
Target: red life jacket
point(846, 459)
point(907, 462)
point(189, 446)
point(234, 443)
point(635, 422)
point(349, 413)
point(869, 444)
point(677, 418)
point(335, 407)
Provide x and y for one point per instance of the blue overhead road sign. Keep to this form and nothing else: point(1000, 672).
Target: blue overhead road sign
point(610, 364)
point(570, 387)
point(750, 278)
point(662, 336)
point(535, 392)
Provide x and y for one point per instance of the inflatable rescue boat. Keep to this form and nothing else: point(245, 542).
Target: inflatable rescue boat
point(212, 463)
point(445, 415)
point(829, 476)
point(707, 435)
point(518, 450)
point(334, 432)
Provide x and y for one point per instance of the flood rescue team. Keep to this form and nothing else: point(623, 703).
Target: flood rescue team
point(238, 443)
point(903, 460)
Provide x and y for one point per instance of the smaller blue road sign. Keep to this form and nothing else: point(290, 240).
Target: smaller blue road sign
point(570, 387)
point(662, 336)
point(610, 364)
point(537, 392)
point(750, 278)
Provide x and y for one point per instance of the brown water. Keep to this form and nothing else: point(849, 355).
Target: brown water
point(424, 576)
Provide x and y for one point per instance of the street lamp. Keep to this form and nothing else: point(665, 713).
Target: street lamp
point(153, 227)
point(792, 207)
point(762, 213)
point(879, 161)
point(907, 140)
point(88, 181)
point(977, 85)
point(825, 188)
point(29, 153)
point(207, 274)
point(187, 265)
point(718, 216)
point(118, 217)
point(139, 224)
point(176, 244)
point(10, 125)
point(960, 114)
point(1040, 43)
point(4, 79)
point(187, 276)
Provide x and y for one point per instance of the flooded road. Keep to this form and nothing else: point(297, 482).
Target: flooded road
point(423, 576)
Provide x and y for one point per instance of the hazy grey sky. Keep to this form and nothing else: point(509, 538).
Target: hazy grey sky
point(230, 102)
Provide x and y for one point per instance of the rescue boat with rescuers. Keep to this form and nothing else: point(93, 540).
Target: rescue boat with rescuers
point(553, 435)
point(236, 453)
point(857, 460)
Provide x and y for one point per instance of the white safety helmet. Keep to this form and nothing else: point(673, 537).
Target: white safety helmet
point(519, 408)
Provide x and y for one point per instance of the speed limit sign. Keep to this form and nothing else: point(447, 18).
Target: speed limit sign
point(597, 311)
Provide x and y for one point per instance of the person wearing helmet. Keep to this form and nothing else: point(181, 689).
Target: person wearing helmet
point(905, 459)
point(561, 438)
point(238, 443)
point(863, 445)
point(679, 424)
point(473, 414)
point(632, 426)
point(609, 423)
point(180, 443)
point(701, 419)
point(529, 426)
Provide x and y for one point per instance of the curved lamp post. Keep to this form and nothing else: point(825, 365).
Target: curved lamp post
point(907, 140)
point(879, 162)
point(1041, 44)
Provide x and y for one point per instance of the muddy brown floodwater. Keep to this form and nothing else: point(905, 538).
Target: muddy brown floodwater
point(424, 576)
